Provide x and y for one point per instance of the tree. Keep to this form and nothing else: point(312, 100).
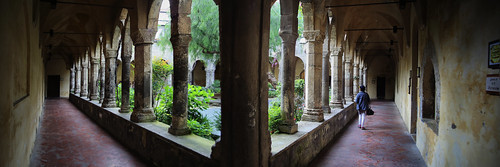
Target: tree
point(204, 30)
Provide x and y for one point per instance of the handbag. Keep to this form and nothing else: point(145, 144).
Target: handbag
point(370, 111)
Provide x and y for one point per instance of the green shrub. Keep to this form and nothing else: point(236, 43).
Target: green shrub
point(198, 99)
point(274, 117)
point(118, 96)
point(299, 99)
point(215, 87)
point(218, 121)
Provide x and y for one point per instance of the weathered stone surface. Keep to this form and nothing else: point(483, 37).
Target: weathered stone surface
point(143, 110)
point(149, 140)
point(348, 81)
point(126, 56)
point(85, 75)
point(94, 92)
point(180, 43)
point(301, 148)
point(78, 82)
point(336, 67)
point(288, 34)
point(102, 76)
point(72, 79)
point(110, 83)
point(313, 110)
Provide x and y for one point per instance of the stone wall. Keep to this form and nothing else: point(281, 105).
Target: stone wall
point(150, 140)
point(301, 148)
point(57, 66)
point(23, 81)
point(456, 35)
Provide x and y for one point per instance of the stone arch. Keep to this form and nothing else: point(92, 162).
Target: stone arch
point(430, 87)
point(299, 69)
point(199, 73)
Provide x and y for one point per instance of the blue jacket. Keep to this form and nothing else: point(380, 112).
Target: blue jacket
point(362, 101)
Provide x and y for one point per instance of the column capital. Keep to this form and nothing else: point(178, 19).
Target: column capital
point(335, 51)
point(95, 61)
point(143, 36)
point(313, 35)
point(180, 40)
point(111, 53)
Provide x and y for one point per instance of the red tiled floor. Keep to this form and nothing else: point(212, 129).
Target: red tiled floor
point(386, 142)
point(68, 138)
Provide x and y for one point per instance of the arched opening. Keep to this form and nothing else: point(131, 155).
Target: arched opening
point(429, 92)
point(299, 69)
point(199, 73)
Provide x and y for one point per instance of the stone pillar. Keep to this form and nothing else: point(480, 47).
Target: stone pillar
point(85, 74)
point(210, 72)
point(313, 110)
point(348, 81)
point(126, 56)
point(180, 43)
point(244, 33)
point(94, 93)
point(356, 79)
point(102, 76)
point(365, 76)
point(325, 75)
point(336, 67)
point(110, 83)
point(190, 74)
point(72, 79)
point(143, 97)
point(78, 77)
point(288, 34)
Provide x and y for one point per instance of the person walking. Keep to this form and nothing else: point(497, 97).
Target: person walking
point(362, 105)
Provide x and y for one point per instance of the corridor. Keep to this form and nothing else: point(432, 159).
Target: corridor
point(386, 142)
point(69, 138)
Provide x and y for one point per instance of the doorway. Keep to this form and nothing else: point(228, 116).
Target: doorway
point(53, 86)
point(380, 87)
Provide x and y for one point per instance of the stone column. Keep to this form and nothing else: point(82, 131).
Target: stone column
point(364, 76)
point(190, 74)
point(313, 110)
point(143, 97)
point(288, 34)
point(72, 79)
point(210, 72)
point(110, 83)
point(348, 81)
point(325, 75)
point(78, 82)
point(94, 93)
point(180, 43)
point(244, 33)
point(336, 67)
point(102, 76)
point(85, 74)
point(356, 79)
point(126, 56)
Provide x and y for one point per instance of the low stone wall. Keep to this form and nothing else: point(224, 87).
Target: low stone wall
point(150, 140)
point(302, 147)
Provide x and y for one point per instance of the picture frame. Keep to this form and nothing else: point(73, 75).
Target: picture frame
point(494, 54)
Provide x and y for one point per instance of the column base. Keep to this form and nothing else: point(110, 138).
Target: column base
point(337, 104)
point(179, 132)
point(124, 109)
point(109, 103)
point(83, 94)
point(290, 129)
point(143, 115)
point(94, 97)
point(326, 109)
point(313, 115)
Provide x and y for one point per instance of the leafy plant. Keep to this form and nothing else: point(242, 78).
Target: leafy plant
point(198, 99)
point(299, 99)
point(275, 119)
point(161, 71)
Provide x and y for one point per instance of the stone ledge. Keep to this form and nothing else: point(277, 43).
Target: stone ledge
point(301, 148)
point(150, 140)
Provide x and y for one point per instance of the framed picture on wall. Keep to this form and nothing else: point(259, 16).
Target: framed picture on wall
point(494, 54)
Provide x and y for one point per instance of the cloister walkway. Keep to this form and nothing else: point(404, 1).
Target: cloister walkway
point(69, 138)
point(386, 142)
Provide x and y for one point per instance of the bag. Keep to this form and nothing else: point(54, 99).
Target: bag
point(370, 111)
